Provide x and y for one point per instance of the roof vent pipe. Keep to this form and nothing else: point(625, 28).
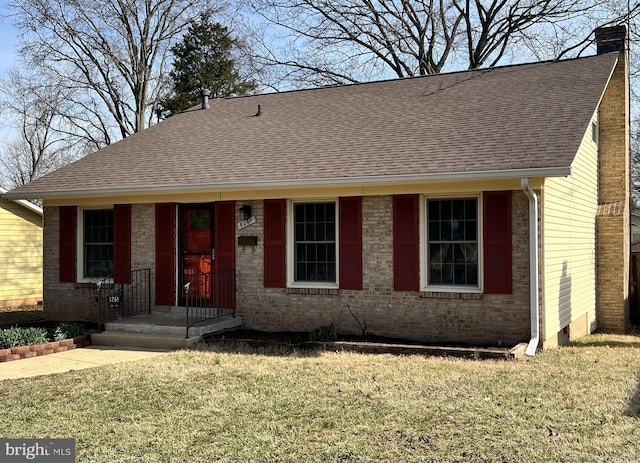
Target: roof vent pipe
point(259, 113)
point(204, 93)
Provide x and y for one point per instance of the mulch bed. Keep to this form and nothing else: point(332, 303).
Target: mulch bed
point(363, 344)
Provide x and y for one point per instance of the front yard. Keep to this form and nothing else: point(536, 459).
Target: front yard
point(578, 403)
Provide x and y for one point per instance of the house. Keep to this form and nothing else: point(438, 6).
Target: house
point(635, 227)
point(480, 207)
point(20, 252)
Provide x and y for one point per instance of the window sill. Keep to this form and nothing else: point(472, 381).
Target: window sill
point(470, 296)
point(313, 291)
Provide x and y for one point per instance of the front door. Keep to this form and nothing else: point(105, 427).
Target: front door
point(196, 247)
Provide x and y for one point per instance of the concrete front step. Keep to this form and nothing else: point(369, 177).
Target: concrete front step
point(130, 339)
point(171, 325)
point(160, 330)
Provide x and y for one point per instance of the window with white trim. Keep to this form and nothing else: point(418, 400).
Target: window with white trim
point(96, 231)
point(452, 242)
point(313, 259)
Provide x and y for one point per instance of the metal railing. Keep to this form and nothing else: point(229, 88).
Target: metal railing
point(124, 294)
point(209, 296)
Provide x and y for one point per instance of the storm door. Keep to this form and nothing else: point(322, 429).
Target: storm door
point(196, 248)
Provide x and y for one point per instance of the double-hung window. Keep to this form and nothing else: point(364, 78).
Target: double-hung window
point(97, 243)
point(452, 242)
point(314, 243)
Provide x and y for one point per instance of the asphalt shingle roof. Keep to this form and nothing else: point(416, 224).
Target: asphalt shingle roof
point(520, 117)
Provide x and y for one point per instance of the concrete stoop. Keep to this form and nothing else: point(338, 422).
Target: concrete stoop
point(159, 330)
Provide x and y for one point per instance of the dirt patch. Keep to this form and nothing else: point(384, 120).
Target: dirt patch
point(298, 338)
point(21, 316)
point(293, 341)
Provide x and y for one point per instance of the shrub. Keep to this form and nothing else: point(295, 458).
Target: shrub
point(16, 336)
point(33, 336)
point(325, 333)
point(66, 330)
point(10, 337)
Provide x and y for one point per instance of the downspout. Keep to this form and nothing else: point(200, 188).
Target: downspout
point(533, 267)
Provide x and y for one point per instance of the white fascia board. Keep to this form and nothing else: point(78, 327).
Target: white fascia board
point(26, 204)
point(298, 183)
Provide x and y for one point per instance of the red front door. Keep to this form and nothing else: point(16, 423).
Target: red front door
point(196, 248)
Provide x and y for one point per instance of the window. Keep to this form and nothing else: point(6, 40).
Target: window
point(97, 243)
point(452, 242)
point(314, 243)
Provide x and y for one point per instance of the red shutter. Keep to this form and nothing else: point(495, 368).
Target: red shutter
point(496, 236)
point(274, 243)
point(122, 242)
point(406, 243)
point(165, 250)
point(67, 243)
point(225, 235)
point(225, 254)
point(350, 243)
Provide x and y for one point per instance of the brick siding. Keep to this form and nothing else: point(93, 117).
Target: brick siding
point(430, 317)
point(376, 309)
point(613, 241)
point(77, 301)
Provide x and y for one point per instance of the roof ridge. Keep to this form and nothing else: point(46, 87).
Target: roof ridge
point(400, 79)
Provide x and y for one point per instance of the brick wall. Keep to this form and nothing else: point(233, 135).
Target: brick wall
point(613, 282)
point(62, 301)
point(143, 240)
point(613, 241)
point(378, 309)
point(431, 317)
point(76, 301)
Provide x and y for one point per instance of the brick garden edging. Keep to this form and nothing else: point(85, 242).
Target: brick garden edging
point(23, 352)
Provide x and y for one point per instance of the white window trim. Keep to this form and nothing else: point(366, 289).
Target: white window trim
point(291, 283)
point(424, 262)
point(80, 278)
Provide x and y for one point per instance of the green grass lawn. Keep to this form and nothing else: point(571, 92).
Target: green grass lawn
point(574, 404)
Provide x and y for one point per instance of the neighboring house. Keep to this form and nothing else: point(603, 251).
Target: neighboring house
point(479, 207)
point(635, 227)
point(20, 252)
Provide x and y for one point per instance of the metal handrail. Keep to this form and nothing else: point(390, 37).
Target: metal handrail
point(209, 296)
point(123, 294)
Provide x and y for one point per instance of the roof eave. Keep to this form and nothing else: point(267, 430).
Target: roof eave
point(298, 183)
point(26, 204)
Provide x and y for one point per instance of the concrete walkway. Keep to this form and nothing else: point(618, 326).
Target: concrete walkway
point(76, 359)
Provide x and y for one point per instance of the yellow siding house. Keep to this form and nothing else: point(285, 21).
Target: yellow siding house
point(20, 252)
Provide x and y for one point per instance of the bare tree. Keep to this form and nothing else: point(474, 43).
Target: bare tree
point(42, 142)
point(111, 55)
point(336, 41)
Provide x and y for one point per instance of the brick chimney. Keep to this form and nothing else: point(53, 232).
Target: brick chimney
point(613, 216)
point(610, 39)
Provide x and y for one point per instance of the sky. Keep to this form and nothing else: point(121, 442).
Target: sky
point(7, 41)
point(7, 58)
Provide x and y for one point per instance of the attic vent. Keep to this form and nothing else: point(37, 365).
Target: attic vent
point(594, 131)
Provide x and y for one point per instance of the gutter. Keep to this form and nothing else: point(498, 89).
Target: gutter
point(372, 180)
point(26, 204)
point(534, 300)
